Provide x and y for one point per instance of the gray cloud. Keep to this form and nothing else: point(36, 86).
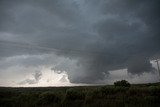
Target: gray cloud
point(100, 35)
point(139, 65)
point(37, 77)
point(63, 79)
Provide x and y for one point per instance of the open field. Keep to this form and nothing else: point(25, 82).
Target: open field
point(140, 95)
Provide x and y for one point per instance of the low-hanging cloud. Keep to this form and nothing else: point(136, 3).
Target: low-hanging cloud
point(139, 65)
point(99, 36)
point(35, 80)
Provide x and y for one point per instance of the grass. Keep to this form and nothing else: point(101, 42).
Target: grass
point(139, 95)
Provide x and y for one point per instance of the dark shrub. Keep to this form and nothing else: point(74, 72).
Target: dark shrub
point(122, 83)
point(89, 97)
point(48, 98)
point(73, 94)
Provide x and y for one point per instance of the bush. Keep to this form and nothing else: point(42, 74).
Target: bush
point(48, 98)
point(122, 83)
point(73, 94)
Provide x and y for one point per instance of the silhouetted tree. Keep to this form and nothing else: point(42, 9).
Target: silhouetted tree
point(122, 83)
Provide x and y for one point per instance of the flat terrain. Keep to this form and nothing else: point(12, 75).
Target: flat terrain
point(140, 95)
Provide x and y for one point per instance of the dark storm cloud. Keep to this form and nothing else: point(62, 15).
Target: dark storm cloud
point(139, 65)
point(101, 35)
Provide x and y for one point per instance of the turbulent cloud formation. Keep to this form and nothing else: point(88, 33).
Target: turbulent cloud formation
point(37, 77)
point(140, 65)
point(98, 36)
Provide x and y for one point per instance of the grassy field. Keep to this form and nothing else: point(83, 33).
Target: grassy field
point(140, 95)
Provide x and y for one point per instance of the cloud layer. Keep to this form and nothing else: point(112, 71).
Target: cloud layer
point(95, 36)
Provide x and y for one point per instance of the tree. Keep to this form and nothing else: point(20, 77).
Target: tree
point(122, 83)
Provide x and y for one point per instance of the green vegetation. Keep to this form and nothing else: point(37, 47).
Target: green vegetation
point(122, 83)
point(145, 95)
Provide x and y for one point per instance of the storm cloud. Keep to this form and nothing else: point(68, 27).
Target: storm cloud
point(98, 36)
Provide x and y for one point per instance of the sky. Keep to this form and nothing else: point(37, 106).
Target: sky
point(78, 42)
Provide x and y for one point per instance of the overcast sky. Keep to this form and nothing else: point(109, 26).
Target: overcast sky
point(70, 42)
